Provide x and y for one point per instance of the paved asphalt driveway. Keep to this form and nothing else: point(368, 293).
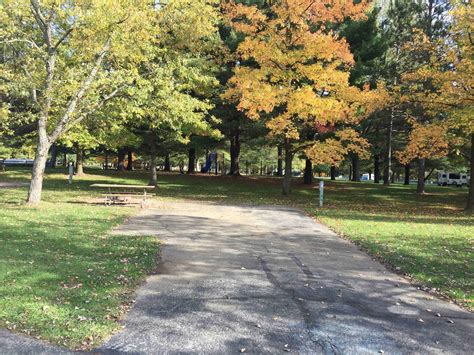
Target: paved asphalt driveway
point(268, 279)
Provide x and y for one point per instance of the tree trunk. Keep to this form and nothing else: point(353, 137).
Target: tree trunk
point(350, 172)
point(288, 168)
point(470, 198)
point(420, 188)
point(386, 174)
point(308, 172)
point(130, 160)
point(54, 156)
point(407, 174)
point(376, 169)
point(191, 161)
point(235, 154)
point(167, 162)
point(333, 172)
point(388, 157)
point(106, 161)
point(39, 165)
point(280, 161)
point(65, 159)
point(121, 159)
point(355, 168)
point(79, 161)
point(44, 142)
point(153, 175)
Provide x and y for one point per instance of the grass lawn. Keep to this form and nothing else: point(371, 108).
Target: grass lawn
point(429, 238)
point(60, 280)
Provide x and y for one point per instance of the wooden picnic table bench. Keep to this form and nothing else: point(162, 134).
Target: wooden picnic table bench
point(124, 194)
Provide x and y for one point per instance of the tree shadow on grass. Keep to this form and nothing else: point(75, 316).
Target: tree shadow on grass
point(63, 282)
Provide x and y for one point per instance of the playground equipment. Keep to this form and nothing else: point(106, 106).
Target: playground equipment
point(212, 158)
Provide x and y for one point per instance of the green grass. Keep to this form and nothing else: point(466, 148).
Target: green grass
point(62, 279)
point(428, 237)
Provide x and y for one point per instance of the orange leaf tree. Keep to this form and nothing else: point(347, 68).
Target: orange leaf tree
point(441, 88)
point(425, 141)
point(295, 75)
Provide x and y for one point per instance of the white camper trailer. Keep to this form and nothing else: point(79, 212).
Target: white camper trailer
point(447, 178)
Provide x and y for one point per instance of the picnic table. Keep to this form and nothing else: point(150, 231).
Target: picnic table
point(125, 194)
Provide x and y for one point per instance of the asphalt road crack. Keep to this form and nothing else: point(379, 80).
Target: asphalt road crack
point(298, 301)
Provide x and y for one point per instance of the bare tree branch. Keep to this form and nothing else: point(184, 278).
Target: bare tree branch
point(35, 9)
point(71, 106)
point(94, 109)
point(46, 28)
point(61, 40)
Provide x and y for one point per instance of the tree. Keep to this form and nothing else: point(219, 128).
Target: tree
point(77, 56)
point(402, 17)
point(442, 84)
point(414, 52)
point(457, 90)
point(300, 73)
point(425, 141)
point(174, 102)
point(234, 125)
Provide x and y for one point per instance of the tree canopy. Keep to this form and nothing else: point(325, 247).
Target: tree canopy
point(341, 84)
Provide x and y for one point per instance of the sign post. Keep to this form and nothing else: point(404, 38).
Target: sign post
point(71, 172)
point(321, 193)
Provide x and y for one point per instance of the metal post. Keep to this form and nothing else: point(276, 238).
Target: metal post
point(321, 193)
point(71, 172)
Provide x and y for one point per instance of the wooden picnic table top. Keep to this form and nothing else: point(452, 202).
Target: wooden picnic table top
point(115, 186)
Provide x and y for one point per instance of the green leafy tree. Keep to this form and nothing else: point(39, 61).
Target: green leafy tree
point(177, 82)
point(72, 58)
point(368, 46)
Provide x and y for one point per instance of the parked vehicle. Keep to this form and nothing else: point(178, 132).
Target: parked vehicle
point(17, 162)
point(449, 178)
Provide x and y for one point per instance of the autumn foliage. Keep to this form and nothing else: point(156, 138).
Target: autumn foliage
point(295, 73)
point(438, 89)
point(425, 141)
